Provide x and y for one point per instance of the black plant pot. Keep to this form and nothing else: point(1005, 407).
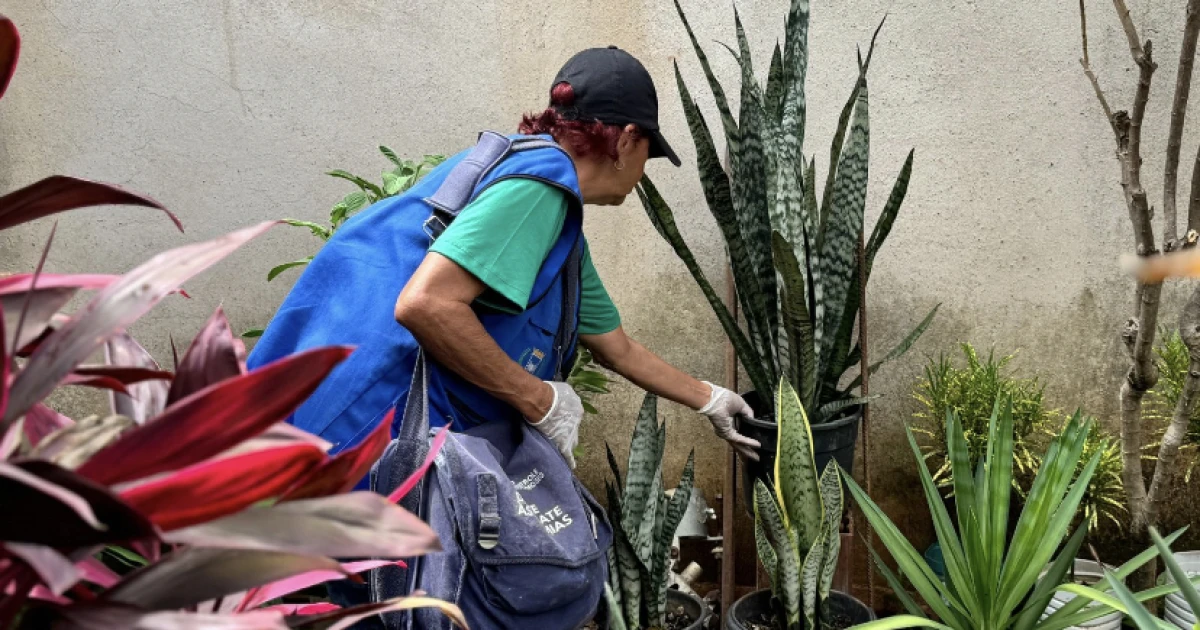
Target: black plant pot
point(692, 606)
point(831, 440)
point(844, 611)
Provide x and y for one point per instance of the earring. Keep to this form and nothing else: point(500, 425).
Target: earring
point(620, 166)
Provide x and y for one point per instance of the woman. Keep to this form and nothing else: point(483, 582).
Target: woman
point(474, 298)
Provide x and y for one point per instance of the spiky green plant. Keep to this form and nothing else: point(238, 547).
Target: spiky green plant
point(797, 522)
point(795, 261)
point(993, 583)
point(1130, 604)
point(971, 391)
point(644, 521)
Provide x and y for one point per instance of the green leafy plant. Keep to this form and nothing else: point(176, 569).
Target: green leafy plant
point(1124, 600)
point(404, 175)
point(971, 391)
point(993, 583)
point(800, 325)
point(644, 520)
point(587, 380)
point(1171, 359)
point(797, 521)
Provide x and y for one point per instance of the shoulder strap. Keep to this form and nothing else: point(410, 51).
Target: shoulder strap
point(566, 338)
point(459, 186)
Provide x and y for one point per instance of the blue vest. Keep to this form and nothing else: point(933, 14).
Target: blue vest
point(347, 296)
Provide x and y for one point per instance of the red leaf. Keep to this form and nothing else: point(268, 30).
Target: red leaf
point(5, 362)
point(55, 518)
point(126, 375)
point(341, 473)
point(214, 419)
point(59, 193)
point(211, 358)
point(258, 596)
point(210, 490)
point(415, 478)
point(114, 309)
point(19, 283)
point(97, 572)
point(99, 382)
point(146, 399)
point(10, 49)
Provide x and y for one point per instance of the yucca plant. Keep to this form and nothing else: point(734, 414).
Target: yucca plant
point(794, 252)
point(797, 522)
point(644, 521)
point(993, 583)
point(1124, 600)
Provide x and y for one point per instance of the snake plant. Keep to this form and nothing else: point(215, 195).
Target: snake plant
point(795, 259)
point(644, 521)
point(797, 521)
point(992, 584)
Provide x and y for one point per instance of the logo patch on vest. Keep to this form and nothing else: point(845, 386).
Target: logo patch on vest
point(531, 360)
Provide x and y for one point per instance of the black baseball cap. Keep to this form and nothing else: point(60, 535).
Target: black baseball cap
point(613, 87)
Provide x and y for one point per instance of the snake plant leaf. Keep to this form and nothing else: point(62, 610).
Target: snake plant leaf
point(723, 205)
point(830, 410)
point(879, 234)
point(632, 574)
point(835, 153)
point(774, 92)
point(616, 620)
point(612, 465)
point(645, 537)
point(663, 221)
point(672, 515)
point(795, 69)
point(901, 348)
point(749, 168)
point(766, 553)
point(838, 260)
point(731, 130)
point(656, 578)
point(641, 470)
point(796, 321)
point(831, 496)
point(784, 542)
point(883, 227)
point(795, 470)
point(810, 581)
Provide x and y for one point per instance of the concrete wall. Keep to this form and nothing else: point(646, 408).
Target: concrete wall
point(229, 112)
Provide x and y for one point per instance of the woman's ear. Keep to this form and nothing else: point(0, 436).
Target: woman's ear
point(628, 141)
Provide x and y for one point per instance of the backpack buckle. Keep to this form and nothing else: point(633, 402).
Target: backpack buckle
point(434, 226)
point(489, 512)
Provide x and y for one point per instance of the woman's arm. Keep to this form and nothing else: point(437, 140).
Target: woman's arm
point(618, 352)
point(435, 306)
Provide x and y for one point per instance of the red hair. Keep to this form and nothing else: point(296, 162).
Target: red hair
point(583, 138)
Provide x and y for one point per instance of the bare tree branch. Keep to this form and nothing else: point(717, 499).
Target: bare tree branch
point(1086, 62)
point(1135, 43)
point(1168, 451)
point(1183, 86)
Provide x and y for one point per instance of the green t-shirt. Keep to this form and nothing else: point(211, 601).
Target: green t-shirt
point(504, 236)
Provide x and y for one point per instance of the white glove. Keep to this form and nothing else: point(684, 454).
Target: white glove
point(561, 423)
point(721, 409)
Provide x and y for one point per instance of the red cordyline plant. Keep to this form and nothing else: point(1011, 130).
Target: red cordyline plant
point(217, 506)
